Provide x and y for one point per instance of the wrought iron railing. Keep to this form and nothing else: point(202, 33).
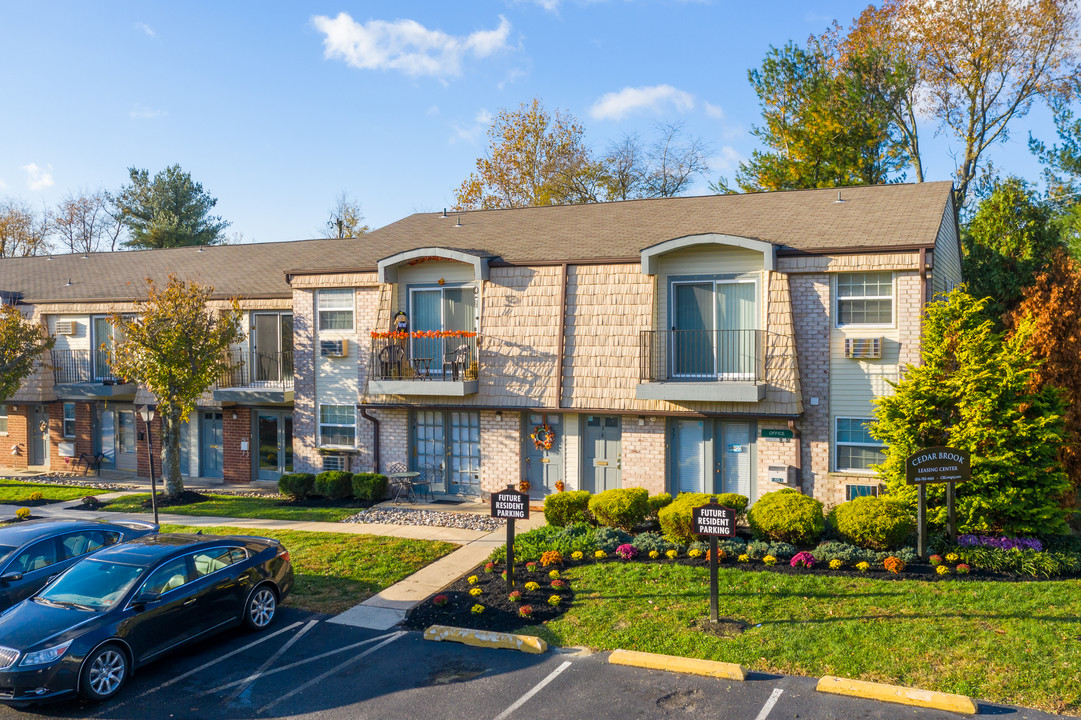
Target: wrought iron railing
point(256, 369)
point(702, 355)
point(83, 366)
point(435, 355)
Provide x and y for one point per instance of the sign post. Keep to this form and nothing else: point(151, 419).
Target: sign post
point(510, 505)
point(715, 521)
point(937, 465)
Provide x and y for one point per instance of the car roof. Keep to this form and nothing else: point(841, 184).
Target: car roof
point(149, 549)
point(20, 533)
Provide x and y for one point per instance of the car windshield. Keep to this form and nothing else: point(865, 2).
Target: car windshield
point(91, 585)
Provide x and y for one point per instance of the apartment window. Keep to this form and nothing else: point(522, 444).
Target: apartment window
point(69, 420)
point(337, 425)
point(854, 491)
point(335, 309)
point(865, 298)
point(855, 448)
point(3, 419)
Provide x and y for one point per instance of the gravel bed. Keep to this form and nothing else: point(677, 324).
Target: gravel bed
point(431, 518)
point(71, 482)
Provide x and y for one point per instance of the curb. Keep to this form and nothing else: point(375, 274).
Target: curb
point(897, 694)
point(486, 638)
point(674, 663)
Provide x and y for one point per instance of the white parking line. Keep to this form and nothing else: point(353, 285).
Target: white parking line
point(328, 673)
point(298, 663)
point(272, 659)
point(536, 689)
point(773, 698)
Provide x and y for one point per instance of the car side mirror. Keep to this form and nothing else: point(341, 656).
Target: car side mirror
point(11, 577)
point(144, 597)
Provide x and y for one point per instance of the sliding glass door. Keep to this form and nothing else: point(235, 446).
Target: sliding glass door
point(439, 309)
point(714, 330)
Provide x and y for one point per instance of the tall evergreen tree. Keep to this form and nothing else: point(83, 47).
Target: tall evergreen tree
point(170, 210)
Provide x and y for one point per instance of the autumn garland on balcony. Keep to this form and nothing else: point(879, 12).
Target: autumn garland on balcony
point(402, 335)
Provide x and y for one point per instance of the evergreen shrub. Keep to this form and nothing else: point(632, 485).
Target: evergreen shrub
point(875, 523)
point(567, 507)
point(370, 486)
point(622, 508)
point(334, 484)
point(675, 518)
point(788, 516)
point(298, 486)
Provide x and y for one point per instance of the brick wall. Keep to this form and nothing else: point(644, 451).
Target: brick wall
point(237, 464)
point(643, 448)
point(393, 437)
point(141, 461)
point(305, 457)
point(810, 308)
point(500, 450)
point(772, 452)
point(15, 439)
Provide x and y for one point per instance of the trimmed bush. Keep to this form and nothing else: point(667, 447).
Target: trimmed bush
point(608, 539)
point(298, 486)
point(647, 541)
point(620, 508)
point(846, 553)
point(787, 516)
point(370, 486)
point(334, 484)
point(675, 518)
point(565, 508)
point(875, 523)
point(657, 503)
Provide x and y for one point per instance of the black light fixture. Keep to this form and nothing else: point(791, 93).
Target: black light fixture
point(146, 412)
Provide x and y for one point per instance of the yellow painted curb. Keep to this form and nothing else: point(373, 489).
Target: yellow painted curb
point(674, 663)
point(897, 694)
point(486, 638)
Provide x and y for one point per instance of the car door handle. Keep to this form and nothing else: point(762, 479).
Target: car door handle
point(189, 601)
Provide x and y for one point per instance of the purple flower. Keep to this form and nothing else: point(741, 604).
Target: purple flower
point(1000, 543)
point(627, 551)
point(803, 559)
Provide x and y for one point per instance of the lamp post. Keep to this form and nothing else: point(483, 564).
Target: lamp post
point(146, 412)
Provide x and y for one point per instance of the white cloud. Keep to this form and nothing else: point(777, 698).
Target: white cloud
point(38, 178)
point(549, 5)
point(483, 117)
point(432, 110)
point(472, 133)
point(616, 105)
point(726, 161)
point(3, 184)
point(142, 112)
point(405, 45)
point(146, 29)
point(714, 111)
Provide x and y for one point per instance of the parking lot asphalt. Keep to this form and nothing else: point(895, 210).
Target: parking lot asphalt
point(305, 667)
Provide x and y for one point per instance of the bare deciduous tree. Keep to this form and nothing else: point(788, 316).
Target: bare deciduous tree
point(23, 231)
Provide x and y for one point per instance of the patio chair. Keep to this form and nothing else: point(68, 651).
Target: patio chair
point(423, 483)
point(456, 360)
point(391, 360)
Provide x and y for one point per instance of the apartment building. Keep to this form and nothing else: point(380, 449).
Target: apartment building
point(724, 343)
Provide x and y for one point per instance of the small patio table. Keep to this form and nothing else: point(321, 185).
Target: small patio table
point(403, 481)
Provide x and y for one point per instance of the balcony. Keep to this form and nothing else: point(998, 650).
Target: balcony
point(702, 366)
point(433, 363)
point(87, 375)
point(256, 378)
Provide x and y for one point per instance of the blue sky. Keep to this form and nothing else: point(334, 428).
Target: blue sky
point(278, 107)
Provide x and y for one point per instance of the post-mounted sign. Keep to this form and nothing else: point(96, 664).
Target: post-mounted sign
point(938, 465)
point(510, 505)
point(713, 519)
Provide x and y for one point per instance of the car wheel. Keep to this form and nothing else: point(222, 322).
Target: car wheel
point(104, 673)
point(261, 607)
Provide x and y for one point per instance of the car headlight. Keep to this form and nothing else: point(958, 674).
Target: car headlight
point(46, 656)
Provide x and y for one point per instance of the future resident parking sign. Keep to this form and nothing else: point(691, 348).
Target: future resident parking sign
point(713, 519)
point(510, 505)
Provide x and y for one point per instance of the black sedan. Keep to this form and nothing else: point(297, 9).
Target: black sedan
point(33, 552)
point(126, 605)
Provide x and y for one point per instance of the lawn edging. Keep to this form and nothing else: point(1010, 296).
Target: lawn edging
point(675, 663)
point(897, 694)
point(486, 638)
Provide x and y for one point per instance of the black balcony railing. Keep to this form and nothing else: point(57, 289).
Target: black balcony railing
point(702, 355)
point(258, 370)
point(83, 366)
point(435, 355)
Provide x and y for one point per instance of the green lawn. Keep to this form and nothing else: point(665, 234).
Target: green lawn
point(14, 492)
point(335, 571)
point(1017, 643)
point(230, 506)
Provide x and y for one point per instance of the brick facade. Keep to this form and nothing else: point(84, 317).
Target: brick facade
point(644, 461)
point(811, 310)
point(500, 450)
point(237, 463)
point(13, 450)
point(142, 464)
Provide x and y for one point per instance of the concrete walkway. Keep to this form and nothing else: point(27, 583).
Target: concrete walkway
point(383, 610)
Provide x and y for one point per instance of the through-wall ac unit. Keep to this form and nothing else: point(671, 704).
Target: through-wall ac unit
point(333, 348)
point(333, 463)
point(66, 327)
point(863, 348)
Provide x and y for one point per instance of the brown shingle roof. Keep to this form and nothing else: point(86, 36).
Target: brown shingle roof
point(870, 218)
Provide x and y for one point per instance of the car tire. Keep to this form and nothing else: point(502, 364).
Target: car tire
point(104, 672)
point(261, 608)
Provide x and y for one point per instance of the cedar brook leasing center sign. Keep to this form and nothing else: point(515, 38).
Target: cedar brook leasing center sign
point(938, 465)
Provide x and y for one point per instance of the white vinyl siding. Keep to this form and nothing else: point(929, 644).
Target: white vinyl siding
point(701, 261)
point(854, 448)
point(335, 309)
point(337, 426)
point(864, 299)
point(429, 272)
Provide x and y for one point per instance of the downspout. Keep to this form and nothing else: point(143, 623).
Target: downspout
point(375, 435)
point(923, 299)
point(562, 333)
point(797, 440)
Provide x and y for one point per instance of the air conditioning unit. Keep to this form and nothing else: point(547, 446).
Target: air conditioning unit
point(333, 348)
point(333, 463)
point(66, 327)
point(863, 348)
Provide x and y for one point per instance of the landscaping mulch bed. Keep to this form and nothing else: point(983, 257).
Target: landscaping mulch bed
point(32, 503)
point(500, 613)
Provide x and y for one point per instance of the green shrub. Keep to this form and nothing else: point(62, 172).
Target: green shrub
point(782, 550)
point(657, 503)
point(531, 545)
point(675, 518)
point(608, 539)
point(732, 547)
point(1046, 564)
point(907, 555)
point(757, 549)
point(334, 484)
point(647, 541)
point(567, 507)
point(845, 552)
point(370, 486)
point(620, 508)
point(875, 523)
point(298, 486)
point(787, 515)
